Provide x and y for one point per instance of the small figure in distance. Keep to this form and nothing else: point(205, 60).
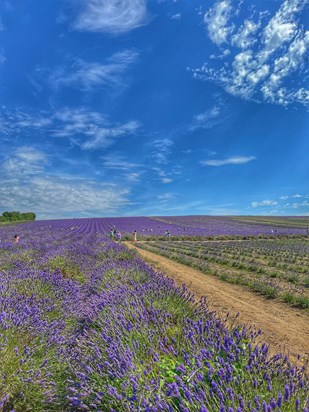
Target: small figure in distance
point(134, 236)
point(119, 237)
point(111, 233)
point(16, 239)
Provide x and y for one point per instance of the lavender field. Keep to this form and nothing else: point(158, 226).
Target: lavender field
point(87, 326)
point(276, 268)
point(181, 226)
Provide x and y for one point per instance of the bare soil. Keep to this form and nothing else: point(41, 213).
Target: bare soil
point(285, 329)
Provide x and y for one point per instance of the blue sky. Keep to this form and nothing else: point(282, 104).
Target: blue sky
point(162, 107)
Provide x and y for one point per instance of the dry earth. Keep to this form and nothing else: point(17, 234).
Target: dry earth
point(285, 329)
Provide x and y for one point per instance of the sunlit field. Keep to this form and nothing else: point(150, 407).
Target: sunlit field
point(85, 325)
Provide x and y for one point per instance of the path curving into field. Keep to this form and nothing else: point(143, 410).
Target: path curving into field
point(285, 329)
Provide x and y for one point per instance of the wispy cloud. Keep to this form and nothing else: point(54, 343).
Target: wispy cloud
point(26, 185)
point(268, 53)
point(2, 25)
point(162, 150)
point(26, 161)
point(99, 133)
point(176, 16)
point(235, 160)
point(210, 117)
point(118, 162)
point(2, 57)
point(166, 197)
point(91, 75)
point(88, 129)
point(110, 16)
point(103, 137)
point(167, 180)
point(164, 177)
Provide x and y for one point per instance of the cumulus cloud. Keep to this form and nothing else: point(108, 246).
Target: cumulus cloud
point(286, 203)
point(26, 185)
point(264, 203)
point(235, 160)
point(87, 76)
point(216, 20)
point(263, 56)
point(111, 16)
point(244, 38)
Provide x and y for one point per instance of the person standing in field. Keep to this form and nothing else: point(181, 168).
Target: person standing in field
point(16, 239)
point(134, 236)
point(119, 237)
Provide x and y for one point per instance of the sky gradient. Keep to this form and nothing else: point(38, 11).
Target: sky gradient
point(166, 107)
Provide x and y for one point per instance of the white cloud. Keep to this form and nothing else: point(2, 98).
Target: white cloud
point(2, 57)
point(26, 186)
point(166, 197)
point(176, 16)
point(162, 150)
point(166, 180)
point(133, 176)
point(236, 160)
point(26, 161)
point(131, 171)
point(244, 37)
point(216, 20)
point(103, 137)
point(111, 16)
point(210, 118)
point(97, 131)
point(285, 204)
point(264, 203)
point(210, 114)
point(117, 162)
point(89, 75)
point(2, 26)
point(84, 128)
point(283, 67)
point(268, 54)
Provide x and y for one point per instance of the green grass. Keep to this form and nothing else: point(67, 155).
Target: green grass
point(68, 268)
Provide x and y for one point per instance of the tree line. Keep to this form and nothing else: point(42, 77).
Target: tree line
point(16, 216)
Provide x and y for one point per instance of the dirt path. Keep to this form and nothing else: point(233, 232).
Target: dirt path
point(285, 329)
